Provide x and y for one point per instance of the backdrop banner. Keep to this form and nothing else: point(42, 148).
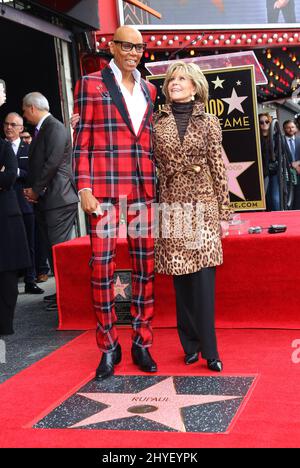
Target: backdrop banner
point(212, 14)
point(232, 98)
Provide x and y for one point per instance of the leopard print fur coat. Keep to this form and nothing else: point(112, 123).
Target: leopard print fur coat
point(193, 192)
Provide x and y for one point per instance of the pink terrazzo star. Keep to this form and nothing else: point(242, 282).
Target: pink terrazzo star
point(159, 403)
point(120, 287)
point(234, 170)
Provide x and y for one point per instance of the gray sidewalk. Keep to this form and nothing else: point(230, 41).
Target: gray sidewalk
point(35, 333)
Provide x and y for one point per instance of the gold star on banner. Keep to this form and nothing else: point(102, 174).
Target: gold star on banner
point(218, 83)
point(120, 287)
point(159, 403)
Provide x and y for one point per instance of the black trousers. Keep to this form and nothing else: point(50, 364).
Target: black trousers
point(287, 11)
point(8, 300)
point(29, 222)
point(41, 253)
point(195, 309)
point(296, 203)
point(56, 226)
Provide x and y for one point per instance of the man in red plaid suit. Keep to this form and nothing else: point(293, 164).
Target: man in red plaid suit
point(113, 161)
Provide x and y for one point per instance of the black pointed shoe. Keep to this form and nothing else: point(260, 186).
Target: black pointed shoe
point(50, 299)
point(191, 358)
point(107, 364)
point(142, 358)
point(32, 288)
point(215, 365)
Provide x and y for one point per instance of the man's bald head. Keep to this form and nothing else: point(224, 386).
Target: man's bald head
point(122, 47)
point(128, 34)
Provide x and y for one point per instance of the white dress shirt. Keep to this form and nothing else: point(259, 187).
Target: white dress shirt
point(15, 145)
point(41, 121)
point(136, 102)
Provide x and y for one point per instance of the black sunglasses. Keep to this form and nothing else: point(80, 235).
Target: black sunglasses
point(128, 46)
point(264, 122)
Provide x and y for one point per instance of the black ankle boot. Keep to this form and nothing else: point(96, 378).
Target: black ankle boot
point(107, 363)
point(215, 365)
point(142, 358)
point(191, 358)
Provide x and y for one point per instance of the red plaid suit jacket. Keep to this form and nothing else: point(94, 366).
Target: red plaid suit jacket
point(108, 156)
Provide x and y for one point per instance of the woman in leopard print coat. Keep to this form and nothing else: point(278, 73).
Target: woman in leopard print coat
point(194, 200)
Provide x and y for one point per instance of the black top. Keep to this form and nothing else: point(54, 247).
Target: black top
point(182, 112)
point(266, 153)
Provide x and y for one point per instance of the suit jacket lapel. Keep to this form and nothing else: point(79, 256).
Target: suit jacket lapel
point(149, 109)
point(116, 95)
point(35, 139)
point(20, 149)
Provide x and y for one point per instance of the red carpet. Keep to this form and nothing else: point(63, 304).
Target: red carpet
point(270, 418)
point(254, 285)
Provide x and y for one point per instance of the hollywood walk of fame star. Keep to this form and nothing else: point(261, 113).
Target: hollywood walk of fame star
point(235, 101)
point(120, 287)
point(234, 170)
point(218, 83)
point(159, 403)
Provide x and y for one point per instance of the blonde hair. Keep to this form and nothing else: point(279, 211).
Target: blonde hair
point(192, 71)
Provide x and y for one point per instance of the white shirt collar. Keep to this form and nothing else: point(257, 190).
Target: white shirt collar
point(42, 120)
point(15, 143)
point(118, 74)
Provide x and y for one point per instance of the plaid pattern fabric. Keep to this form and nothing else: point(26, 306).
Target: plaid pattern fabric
point(113, 161)
point(108, 156)
point(141, 249)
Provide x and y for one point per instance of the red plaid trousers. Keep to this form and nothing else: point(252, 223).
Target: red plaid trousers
point(141, 248)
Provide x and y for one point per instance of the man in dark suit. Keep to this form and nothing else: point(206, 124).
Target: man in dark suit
point(14, 253)
point(292, 146)
point(13, 126)
point(113, 160)
point(50, 180)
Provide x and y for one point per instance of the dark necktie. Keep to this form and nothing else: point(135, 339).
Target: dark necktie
point(292, 148)
point(36, 131)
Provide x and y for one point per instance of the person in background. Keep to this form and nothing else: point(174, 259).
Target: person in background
point(287, 7)
point(13, 126)
point(41, 251)
point(292, 146)
point(26, 136)
point(192, 175)
point(14, 252)
point(50, 184)
point(270, 167)
point(297, 122)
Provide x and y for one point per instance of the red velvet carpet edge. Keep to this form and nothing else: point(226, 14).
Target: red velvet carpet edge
point(270, 417)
